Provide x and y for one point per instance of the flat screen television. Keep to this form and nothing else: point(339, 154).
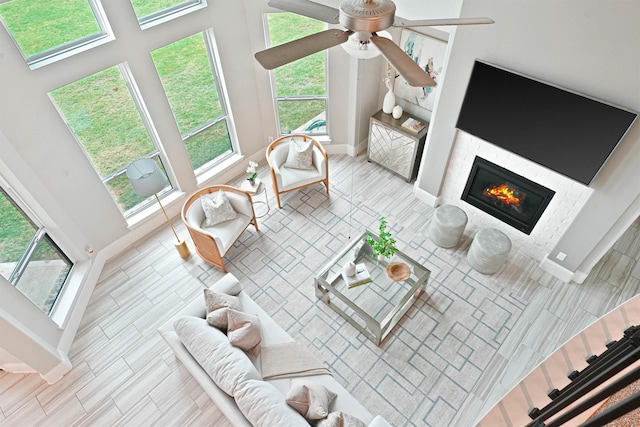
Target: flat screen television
point(569, 133)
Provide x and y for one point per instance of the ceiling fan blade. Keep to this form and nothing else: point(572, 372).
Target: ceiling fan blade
point(412, 73)
point(401, 22)
point(288, 52)
point(309, 9)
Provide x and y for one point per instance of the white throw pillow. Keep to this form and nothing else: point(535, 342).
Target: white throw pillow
point(262, 404)
point(217, 209)
point(217, 305)
point(340, 419)
point(243, 331)
point(300, 155)
point(310, 398)
point(228, 366)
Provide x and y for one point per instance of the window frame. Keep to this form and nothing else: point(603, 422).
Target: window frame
point(138, 102)
point(165, 15)
point(274, 91)
point(225, 115)
point(214, 61)
point(69, 49)
point(41, 232)
point(277, 99)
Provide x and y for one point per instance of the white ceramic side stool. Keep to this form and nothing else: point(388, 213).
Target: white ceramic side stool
point(488, 251)
point(447, 226)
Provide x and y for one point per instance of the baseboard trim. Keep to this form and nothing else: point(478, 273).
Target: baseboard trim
point(426, 197)
point(562, 273)
point(17, 368)
point(338, 149)
point(58, 371)
point(579, 277)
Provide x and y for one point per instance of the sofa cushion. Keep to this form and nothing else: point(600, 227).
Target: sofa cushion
point(217, 208)
point(340, 419)
point(228, 366)
point(217, 305)
point(309, 398)
point(244, 331)
point(264, 406)
point(293, 178)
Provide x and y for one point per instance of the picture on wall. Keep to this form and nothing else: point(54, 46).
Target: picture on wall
point(428, 53)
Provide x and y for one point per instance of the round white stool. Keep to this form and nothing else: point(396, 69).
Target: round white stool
point(489, 250)
point(447, 226)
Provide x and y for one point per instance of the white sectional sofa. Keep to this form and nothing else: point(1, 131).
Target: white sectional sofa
point(256, 402)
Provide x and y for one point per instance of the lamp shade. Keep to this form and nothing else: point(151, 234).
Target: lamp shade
point(146, 177)
point(359, 46)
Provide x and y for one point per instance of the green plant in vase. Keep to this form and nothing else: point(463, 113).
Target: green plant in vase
point(385, 245)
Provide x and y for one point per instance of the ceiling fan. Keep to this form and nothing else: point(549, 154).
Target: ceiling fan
point(363, 19)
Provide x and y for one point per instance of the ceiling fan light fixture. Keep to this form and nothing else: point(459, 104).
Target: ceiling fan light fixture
point(363, 49)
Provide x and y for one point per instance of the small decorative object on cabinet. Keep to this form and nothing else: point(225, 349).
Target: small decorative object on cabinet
point(394, 147)
point(388, 102)
point(396, 112)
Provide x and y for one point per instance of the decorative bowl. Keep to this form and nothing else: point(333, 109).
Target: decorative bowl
point(398, 271)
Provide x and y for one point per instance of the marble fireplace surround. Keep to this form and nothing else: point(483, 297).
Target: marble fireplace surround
point(569, 199)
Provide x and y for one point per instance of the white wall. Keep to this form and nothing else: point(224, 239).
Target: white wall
point(584, 45)
point(42, 158)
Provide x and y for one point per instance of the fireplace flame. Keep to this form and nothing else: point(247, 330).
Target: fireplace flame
point(504, 194)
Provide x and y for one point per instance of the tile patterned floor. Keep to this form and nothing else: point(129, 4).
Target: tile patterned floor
point(464, 344)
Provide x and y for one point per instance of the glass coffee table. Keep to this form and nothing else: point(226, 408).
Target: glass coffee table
point(373, 308)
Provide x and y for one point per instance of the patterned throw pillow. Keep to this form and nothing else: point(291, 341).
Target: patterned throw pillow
point(310, 398)
point(300, 155)
point(340, 419)
point(217, 306)
point(217, 209)
point(243, 331)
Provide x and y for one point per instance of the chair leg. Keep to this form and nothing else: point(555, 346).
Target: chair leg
point(326, 184)
point(278, 200)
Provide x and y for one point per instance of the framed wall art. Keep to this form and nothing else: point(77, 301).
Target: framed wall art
point(429, 54)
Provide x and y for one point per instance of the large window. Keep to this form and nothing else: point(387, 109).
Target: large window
point(188, 73)
point(150, 12)
point(300, 87)
point(45, 29)
point(103, 111)
point(29, 258)
point(106, 110)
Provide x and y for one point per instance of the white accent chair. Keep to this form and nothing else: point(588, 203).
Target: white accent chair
point(288, 179)
point(212, 243)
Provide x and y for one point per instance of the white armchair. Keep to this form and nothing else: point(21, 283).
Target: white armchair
point(285, 179)
point(212, 243)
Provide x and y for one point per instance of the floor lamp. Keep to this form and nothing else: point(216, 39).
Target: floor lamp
point(147, 180)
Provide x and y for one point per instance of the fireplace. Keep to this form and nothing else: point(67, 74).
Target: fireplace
point(505, 195)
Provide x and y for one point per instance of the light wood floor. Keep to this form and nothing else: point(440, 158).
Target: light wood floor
point(124, 374)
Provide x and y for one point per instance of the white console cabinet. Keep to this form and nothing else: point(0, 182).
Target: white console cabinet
point(394, 147)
